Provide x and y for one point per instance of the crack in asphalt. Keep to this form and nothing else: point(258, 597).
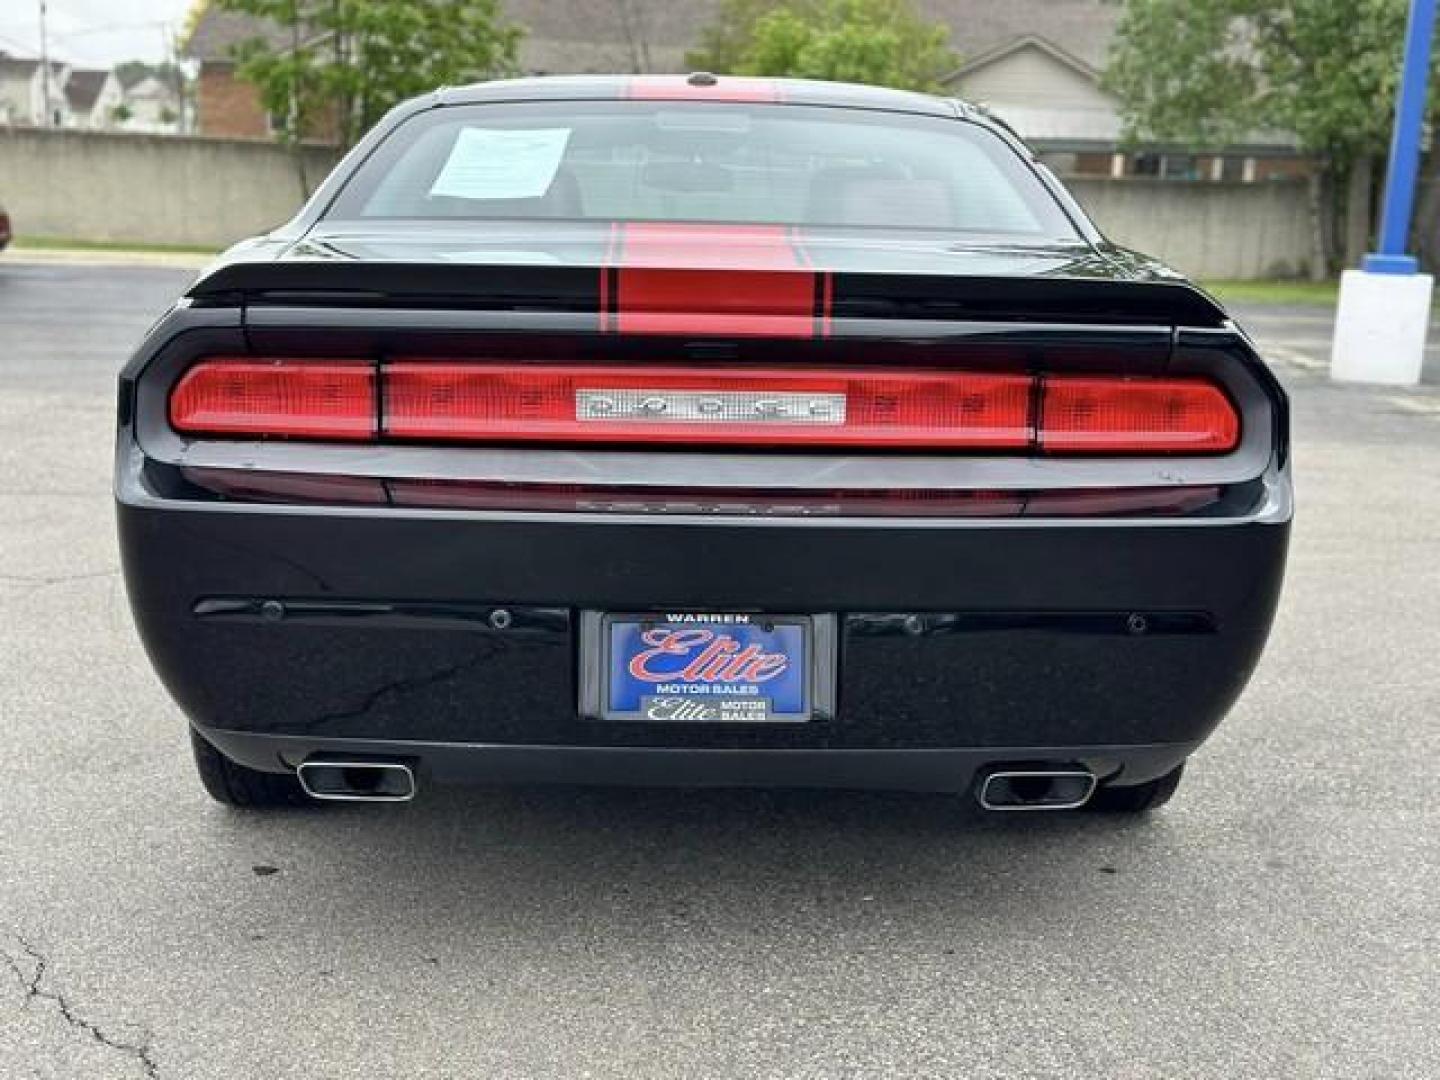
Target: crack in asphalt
point(26, 586)
point(33, 983)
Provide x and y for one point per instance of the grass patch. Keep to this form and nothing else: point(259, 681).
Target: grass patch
point(1318, 293)
point(55, 243)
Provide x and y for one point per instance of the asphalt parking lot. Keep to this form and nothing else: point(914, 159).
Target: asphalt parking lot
point(1299, 336)
point(1278, 919)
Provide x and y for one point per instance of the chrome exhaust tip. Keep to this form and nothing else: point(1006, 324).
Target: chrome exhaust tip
point(357, 781)
point(1036, 789)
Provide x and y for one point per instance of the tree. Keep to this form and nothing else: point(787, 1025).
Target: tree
point(724, 42)
point(130, 72)
point(883, 42)
point(1207, 72)
point(633, 19)
point(345, 63)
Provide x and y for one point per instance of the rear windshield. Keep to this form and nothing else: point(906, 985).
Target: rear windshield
point(724, 163)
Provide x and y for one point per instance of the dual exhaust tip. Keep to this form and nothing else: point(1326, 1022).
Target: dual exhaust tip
point(357, 781)
point(394, 781)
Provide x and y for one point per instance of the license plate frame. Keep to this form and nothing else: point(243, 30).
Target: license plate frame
point(600, 694)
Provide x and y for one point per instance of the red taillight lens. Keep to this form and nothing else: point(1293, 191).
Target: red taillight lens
point(277, 398)
point(514, 402)
point(489, 401)
point(1111, 415)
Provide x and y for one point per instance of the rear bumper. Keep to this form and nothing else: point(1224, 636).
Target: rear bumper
point(950, 770)
point(284, 630)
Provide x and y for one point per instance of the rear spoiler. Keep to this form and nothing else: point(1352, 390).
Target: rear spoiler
point(615, 293)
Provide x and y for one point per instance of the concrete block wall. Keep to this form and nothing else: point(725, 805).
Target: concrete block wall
point(150, 189)
point(155, 189)
point(1206, 230)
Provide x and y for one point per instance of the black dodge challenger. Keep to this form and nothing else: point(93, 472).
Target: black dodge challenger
point(697, 430)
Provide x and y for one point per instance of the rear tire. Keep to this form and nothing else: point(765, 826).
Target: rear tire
point(235, 785)
point(1138, 799)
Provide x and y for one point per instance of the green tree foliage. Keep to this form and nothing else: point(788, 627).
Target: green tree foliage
point(1208, 72)
point(132, 71)
point(882, 42)
point(1205, 72)
point(346, 62)
point(725, 41)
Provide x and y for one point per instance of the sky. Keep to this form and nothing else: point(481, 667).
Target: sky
point(93, 32)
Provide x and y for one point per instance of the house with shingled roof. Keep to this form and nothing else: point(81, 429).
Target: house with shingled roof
point(24, 90)
point(1037, 64)
point(92, 96)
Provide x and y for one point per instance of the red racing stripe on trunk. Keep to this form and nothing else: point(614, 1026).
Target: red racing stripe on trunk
point(680, 88)
point(713, 279)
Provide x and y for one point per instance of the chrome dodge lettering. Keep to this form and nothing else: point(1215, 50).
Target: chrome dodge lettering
point(710, 406)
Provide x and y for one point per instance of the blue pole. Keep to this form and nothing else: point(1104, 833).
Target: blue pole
point(1405, 147)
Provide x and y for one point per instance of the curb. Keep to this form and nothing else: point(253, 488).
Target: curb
point(178, 260)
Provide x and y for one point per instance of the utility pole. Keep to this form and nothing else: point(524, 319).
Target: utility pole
point(1384, 309)
point(177, 77)
point(45, 67)
point(1405, 146)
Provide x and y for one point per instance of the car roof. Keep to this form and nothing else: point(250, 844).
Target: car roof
point(702, 86)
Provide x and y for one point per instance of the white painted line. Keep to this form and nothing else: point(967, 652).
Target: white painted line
point(1284, 355)
point(1310, 344)
point(1322, 345)
point(1418, 405)
point(1252, 318)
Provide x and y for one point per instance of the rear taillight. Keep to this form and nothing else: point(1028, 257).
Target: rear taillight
point(295, 398)
point(494, 402)
point(1099, 415)
point(479, 403)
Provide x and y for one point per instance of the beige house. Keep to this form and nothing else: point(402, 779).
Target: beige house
point(1054, 98)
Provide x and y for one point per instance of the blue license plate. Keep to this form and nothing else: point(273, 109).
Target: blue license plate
point(707, 668)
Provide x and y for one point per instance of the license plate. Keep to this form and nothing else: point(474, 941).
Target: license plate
point(707, 668)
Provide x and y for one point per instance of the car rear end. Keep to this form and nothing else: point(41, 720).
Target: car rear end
point(570, 496)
